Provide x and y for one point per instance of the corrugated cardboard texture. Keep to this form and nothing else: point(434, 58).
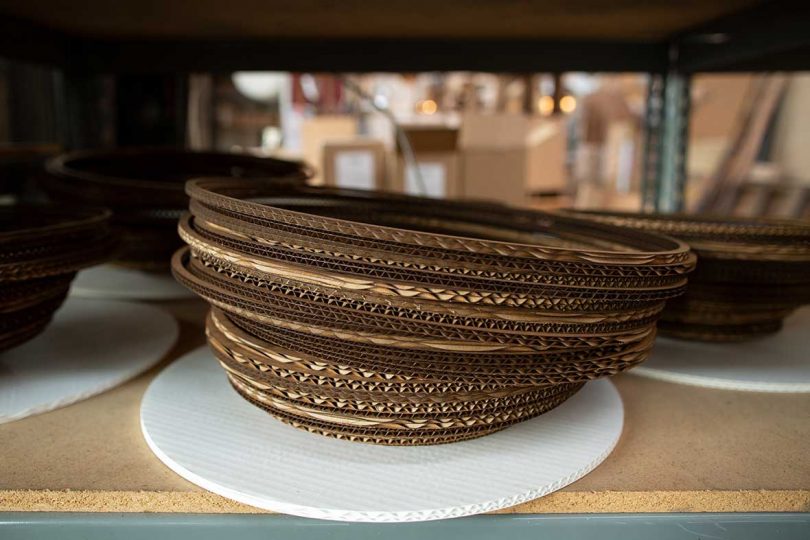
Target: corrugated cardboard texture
point(683, 449)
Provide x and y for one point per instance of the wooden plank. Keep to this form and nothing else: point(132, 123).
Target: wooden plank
point(683, 449)
point(643, 20)
point(365, 55)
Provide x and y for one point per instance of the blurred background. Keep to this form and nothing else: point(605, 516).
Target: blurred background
point(539, 140)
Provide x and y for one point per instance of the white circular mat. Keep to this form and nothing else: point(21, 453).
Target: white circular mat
point(115, 283)
point(89, 347)
point(777, 363)
point(199, 426)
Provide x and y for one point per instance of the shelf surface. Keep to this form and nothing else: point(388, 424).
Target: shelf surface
point(683, 449)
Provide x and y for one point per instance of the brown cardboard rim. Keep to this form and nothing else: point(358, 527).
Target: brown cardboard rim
point(68, 220)
point(213, 192)
point(708, 227)
point(63, 166)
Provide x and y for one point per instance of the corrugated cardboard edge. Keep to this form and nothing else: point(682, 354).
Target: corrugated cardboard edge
point(565, 502)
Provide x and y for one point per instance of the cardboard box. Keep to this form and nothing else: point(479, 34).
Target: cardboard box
point(507, 156)
point(622, 157)
point(318, 131)
point(355, 164)
point(436, 155)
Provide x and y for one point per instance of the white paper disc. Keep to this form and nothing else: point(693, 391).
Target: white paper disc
point(777, 363)
point(115, 283)
point(89, 347)
point(203, 430)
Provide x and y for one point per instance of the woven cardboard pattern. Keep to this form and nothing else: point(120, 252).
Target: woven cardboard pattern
point(405, 321)
point(41, 248)
point(448, 285)
point(751, 273)
point(144, 188)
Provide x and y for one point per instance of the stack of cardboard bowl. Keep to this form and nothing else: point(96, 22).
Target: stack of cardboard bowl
point(144, 189)
point(751, 273)
point(41, 248)
point(408, 321)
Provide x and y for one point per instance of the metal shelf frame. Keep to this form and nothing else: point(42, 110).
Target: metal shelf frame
point(70, 526)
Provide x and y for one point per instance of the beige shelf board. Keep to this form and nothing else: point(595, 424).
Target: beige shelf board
point(683, 449)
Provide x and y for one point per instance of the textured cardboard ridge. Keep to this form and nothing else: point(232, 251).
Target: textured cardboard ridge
point(752, 273)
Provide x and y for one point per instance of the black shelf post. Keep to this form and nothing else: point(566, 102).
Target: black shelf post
point(666, 141)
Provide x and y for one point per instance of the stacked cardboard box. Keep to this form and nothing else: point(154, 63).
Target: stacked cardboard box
point(507, 156)
point(436, 155)
point(355, 164)
point(317, 131)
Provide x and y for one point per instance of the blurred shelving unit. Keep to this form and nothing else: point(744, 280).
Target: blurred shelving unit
point(153, 42)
